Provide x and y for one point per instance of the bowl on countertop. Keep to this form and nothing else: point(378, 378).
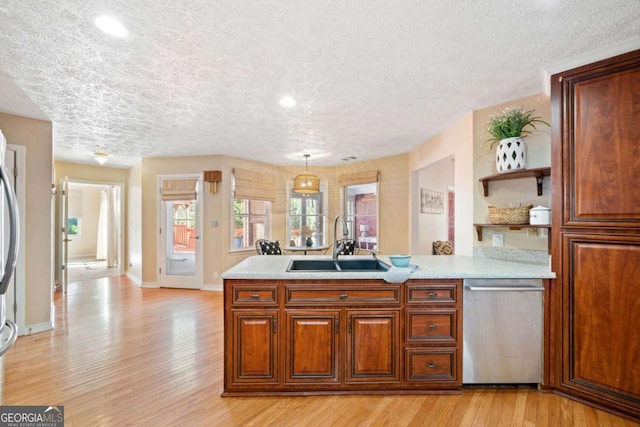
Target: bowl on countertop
point(400, 260)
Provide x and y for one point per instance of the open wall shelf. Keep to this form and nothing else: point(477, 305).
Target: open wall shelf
point(516, 227)
point(538, 173)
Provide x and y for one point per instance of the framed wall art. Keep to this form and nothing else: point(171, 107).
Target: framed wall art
point(431, 201)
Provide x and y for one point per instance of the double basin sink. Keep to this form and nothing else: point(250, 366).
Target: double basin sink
point(298, 265)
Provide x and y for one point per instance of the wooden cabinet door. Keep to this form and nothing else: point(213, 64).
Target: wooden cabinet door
point(312, 346)
point(373, 345)
point(255, 347)
point(602, 338)
point(600, 157)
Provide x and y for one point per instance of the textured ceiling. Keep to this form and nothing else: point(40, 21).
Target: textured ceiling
point(372, 78)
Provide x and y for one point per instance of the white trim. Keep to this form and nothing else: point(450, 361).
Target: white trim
point(20, 271)
point(212, 288)
point(150, 285)
point(588, 58)
point(133, 278)
point(121, 200)
point(36, 328)
point(161, 244)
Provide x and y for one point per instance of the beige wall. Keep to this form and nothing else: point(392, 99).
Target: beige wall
point(394, 221)
point(430, 227)
point(517, 192)
point(464, 141)
point(456, 141)
point(393, 189)
point(36, 137)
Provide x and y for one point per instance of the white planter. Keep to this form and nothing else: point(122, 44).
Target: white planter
point(511, 154)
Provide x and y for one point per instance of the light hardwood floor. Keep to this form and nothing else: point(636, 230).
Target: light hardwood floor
point(122, 355)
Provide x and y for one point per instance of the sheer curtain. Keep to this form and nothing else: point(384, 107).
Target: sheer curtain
point(107, 246)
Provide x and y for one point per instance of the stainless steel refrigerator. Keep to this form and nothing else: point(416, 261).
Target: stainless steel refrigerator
point(8, 248)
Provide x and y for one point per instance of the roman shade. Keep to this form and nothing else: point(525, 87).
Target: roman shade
point(179, 189)
point(254, 185)
point(355, 178)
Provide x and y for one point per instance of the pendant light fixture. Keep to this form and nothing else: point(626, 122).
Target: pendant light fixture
point(306, 183)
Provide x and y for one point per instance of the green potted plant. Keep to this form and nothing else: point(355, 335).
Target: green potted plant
point(507, 130)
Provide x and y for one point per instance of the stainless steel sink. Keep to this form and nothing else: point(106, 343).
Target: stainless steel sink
point(298, 265)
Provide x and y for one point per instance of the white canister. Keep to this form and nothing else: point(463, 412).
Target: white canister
point(540, 215)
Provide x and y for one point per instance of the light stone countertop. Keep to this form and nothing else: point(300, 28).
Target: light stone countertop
point(430, 267)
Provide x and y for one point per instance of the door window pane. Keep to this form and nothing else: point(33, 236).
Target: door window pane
point(181, 237)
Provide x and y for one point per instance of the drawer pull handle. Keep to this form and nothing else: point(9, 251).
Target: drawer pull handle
point(343, 296)
point(432, 326)
point(432, 294)
point(432, 365)
point(255, 296)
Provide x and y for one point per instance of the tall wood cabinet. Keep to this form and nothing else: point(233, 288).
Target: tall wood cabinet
point(596, 232)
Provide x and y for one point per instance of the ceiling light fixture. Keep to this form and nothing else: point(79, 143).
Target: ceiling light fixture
point(288, 102)
point(111, 26)
point(306, 183)
point(101, 157)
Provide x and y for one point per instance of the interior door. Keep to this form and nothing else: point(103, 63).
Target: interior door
point(180, 261)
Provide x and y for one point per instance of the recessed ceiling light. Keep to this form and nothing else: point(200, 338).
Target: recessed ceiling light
point(111, 26)
point(288, 101)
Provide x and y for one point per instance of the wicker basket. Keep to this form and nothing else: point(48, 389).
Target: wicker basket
point(509, 215)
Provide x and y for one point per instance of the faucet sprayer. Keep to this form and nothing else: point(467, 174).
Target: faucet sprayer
point(337, 244)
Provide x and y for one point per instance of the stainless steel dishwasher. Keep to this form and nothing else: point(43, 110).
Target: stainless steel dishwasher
point(502, 331)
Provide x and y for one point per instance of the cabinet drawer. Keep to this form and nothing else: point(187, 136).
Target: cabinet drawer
point(431, 326)
point(431, 365)
point(312, 295)
point(254, 295)
point(433, 293)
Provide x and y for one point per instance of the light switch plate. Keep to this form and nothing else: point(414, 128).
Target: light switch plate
point(498, 240)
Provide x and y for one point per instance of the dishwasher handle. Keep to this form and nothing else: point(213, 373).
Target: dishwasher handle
point(504, 288)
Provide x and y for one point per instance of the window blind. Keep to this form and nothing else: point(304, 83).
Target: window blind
point(179, 189)
point(355, 178)
point(254, 185)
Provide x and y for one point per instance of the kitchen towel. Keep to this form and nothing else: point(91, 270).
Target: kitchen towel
point(399, 274)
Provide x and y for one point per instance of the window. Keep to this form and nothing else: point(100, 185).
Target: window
point(250, 218)
point(253, 193)
point(74, 226)
point(307, 210)
point(361, 210)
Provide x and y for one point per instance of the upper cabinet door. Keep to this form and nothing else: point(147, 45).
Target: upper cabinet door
point(597, 118)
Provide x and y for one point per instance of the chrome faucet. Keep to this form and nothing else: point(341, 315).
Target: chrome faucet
point(337, 244)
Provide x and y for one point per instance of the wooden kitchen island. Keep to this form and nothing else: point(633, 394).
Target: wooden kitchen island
point(349, 331)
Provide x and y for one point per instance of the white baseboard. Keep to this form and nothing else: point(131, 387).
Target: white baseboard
point(212, 287)
point(35, 328)
point(134, 278)
point(150, 285)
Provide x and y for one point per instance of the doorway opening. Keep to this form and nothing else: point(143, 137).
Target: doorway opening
point(433, 215)
point(93, 224)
